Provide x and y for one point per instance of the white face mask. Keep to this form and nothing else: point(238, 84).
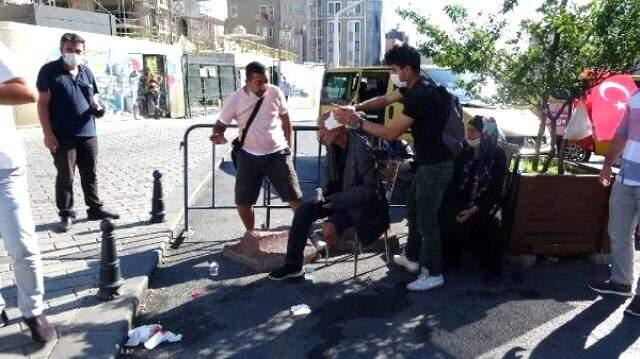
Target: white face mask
point(71, 59)
point(474, 143)
point(395, 78)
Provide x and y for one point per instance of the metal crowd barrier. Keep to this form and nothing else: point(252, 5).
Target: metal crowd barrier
point(266, 198)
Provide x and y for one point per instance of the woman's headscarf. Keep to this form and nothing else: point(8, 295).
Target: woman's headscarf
point(480, 179)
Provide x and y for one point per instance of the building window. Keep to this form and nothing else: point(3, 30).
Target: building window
point(330, 45)
point(266, 13)
point(331, 26)
point(234, 11)
point(357, 45)
point(270, 31)
point(333, 7)
point(262, 13)
point(356, 10)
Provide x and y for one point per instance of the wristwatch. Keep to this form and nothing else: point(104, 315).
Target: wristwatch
point(359, 123)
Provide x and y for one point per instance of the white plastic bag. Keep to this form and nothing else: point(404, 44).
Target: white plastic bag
point(300, 309)
point(579, 125)
point(151, 335)
point(142, 334)
point(161, 337)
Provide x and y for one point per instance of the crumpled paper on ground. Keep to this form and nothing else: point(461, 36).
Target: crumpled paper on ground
point(300, 309)
point(151, 335)
point(161, 337)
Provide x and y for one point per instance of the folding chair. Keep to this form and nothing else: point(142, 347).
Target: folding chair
point(388, 170)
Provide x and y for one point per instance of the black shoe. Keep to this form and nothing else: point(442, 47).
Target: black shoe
point(41, 330)
point(287, 271)
point(4, 319)
point(611, 287)
point(491, 279)
point(101, 213)
point(634, 307)
point(65, 224)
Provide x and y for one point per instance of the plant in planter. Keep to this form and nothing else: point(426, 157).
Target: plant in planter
point(561, 53)
point(556, 214)
point(558, 56)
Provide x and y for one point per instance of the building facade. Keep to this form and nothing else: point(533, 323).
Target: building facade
point(258, 17)
point(359, 32)
point(395, 37)
point(280, 23)
point(293, 26)
point(158, 20)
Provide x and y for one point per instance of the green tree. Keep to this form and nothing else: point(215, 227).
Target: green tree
point(545, 58)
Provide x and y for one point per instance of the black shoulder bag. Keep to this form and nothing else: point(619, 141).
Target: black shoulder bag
point(237, 144)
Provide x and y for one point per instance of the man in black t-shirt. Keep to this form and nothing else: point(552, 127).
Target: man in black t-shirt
point(68, 104)
point(425, 114)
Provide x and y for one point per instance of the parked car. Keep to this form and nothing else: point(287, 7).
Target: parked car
point(350, 85)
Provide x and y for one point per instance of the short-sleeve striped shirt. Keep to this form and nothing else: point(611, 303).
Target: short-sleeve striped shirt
point(630, 128)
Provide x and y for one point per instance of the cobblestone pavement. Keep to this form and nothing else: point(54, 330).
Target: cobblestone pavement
point(129, 152)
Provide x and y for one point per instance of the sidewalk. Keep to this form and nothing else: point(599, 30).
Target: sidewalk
point(129, 152)
point(543, 311)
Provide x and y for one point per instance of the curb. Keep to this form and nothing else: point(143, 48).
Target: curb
point(99, 328)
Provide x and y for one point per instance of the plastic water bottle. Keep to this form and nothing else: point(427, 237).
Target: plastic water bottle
point(319, 196)
point(213, 269)
point(317, 240)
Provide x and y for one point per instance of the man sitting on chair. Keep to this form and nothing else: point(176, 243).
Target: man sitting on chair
point(353, 197)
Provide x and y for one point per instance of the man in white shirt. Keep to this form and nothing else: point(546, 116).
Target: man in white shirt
point(16, 223)
point(624, 206)
point(265, 151)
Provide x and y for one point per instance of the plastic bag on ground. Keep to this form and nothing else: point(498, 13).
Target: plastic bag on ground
point(161, 337)
point(142, 334)
point(151, 335)
point(301, 309)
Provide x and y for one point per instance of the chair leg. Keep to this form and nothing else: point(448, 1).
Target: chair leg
point(326, 255)
point(356, 252)
point(386, 245)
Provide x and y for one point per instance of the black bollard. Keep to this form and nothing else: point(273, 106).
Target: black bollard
point(110, 277)
point(157, 202)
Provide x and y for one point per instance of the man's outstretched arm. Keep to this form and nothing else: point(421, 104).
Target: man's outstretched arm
point(380, 102)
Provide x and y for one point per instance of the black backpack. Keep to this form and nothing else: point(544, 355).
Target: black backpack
point(453, 132)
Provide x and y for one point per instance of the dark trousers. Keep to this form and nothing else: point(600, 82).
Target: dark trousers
point(83, 152)
point(481, 234)
point(423, 242)
point(303, 219)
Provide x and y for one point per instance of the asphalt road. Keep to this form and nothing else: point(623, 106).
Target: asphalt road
point(545, 311)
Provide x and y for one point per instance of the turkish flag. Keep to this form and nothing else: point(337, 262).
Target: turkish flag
point(607, 103)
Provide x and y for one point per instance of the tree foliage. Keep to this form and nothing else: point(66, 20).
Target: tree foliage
point(548, 56)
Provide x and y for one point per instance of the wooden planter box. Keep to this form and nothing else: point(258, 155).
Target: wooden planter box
point(559, 215)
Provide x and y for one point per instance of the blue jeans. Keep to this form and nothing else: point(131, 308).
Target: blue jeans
point(20, 240)
point(624, 208)
point(424, 242)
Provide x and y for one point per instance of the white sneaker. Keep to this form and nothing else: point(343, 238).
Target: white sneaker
point(401, 260)
point(426, 282)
